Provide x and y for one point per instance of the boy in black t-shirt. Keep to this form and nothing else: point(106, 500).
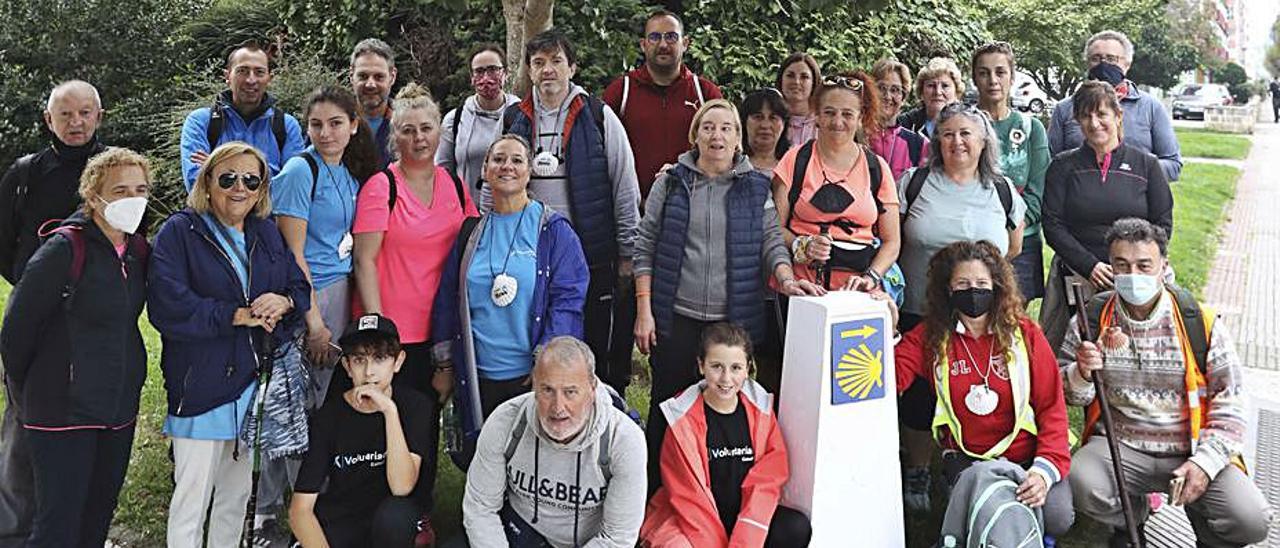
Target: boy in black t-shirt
point(370, 470)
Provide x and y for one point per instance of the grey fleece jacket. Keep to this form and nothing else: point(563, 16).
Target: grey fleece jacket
point(572, 499)
point(703, 291)
point(553, 190)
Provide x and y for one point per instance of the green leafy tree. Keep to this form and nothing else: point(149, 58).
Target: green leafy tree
point(1236, 80)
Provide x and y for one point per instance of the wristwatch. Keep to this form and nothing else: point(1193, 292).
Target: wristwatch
point(875, 276)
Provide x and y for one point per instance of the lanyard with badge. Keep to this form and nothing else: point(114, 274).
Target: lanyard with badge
point(348, 243)
point(546, 162)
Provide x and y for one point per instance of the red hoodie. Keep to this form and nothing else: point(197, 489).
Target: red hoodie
point(657, 117)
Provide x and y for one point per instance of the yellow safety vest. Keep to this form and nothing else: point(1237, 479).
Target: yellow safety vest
point(1019, 365)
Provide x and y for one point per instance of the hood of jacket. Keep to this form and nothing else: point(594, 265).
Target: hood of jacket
point(574, 91)
point(642, 75)
point(741, 165)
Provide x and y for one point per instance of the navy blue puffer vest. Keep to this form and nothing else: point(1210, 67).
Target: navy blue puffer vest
point(744, 207)
point(587, 169)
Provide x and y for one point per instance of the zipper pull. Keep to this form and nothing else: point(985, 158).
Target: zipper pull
point(231, 369)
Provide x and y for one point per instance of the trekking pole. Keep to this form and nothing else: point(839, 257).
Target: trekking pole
point(1113, 443)
point(823, 270)
point(265, 361)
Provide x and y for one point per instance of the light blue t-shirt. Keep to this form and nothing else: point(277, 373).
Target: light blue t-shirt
point(943, 213)
point(329, 217)
point(222, 422)
point(504, 349)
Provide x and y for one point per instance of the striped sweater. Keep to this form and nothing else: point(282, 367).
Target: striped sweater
point(1147, 392)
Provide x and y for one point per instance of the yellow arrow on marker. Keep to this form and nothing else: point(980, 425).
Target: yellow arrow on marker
point(864, 332)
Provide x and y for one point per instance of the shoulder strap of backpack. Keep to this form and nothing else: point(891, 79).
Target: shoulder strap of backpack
point(457, 121)
point(1193, 318)
point(697, 88)
point(457, 187)
point(213, 131)
point(1004, 188)
point(913, 188)
point(23, 169)
point(391, 188)
point(597, 110)
point(315, 173)
point(464, 233)
point(76, 269)
point(876, 176)
point(605, 457)
point(509, 117)
point(522, 424)
point(797, 177)
point(277, 128)
point(626, 93)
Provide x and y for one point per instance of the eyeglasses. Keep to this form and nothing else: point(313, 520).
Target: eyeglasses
point(670, 37)
point(251, 181)
point(851, 84)
point(489, 70)
point(893, 90)
point(1100, 57)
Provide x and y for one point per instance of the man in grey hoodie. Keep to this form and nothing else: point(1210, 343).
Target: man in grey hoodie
point(560, 466)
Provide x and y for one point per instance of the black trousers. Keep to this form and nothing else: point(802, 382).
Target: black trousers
point(493, 393)
point(674, 366)
point(608, 319)
point(393, 525)
point(788, 529)
point(17, 482)
point(78, 474)
point(916, 403)
point(1028, 268)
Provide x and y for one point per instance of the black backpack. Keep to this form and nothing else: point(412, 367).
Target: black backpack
point(391, 182)
point(1003, 187)
point(217, 119)
point(802, 166)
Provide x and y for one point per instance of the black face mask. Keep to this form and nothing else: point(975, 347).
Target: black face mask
point(831, 199)
point(973, 302)
point(1108, 73)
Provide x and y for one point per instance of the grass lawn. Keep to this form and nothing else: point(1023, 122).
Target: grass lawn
point(1202, 143)
point(1201, 197)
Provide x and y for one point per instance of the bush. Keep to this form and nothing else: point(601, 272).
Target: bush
point(1237, 82)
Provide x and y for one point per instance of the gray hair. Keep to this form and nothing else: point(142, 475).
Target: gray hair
point(1110, 35)
point(565, 350)
point(69, 86)
point(989, 163)
point(376, 47)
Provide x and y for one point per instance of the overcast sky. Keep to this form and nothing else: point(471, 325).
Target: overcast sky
point(1259, 16)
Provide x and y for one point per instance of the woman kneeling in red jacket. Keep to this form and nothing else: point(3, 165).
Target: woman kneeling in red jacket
point(723, 462)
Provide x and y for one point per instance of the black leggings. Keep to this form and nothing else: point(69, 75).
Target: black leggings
point(493, 393)
point(608, 318)
point(788, 529)
point(394, 524)
point(78, 474)
point(674, 367)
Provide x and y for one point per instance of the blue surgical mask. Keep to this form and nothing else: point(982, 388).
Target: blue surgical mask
point(1137, 289)
point(1107, 72)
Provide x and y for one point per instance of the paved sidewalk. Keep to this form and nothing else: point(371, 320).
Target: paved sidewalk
point(1244, 288)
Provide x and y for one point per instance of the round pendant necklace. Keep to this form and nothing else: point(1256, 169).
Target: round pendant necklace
point(546, 162)
point(504, 288)
point(981, 399)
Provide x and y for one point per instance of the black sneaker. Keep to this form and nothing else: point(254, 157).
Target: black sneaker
point(271, 535)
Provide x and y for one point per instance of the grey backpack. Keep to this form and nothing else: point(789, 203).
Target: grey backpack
point(984, 511)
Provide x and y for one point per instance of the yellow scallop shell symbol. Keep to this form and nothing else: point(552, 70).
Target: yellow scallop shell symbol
point(859, 371)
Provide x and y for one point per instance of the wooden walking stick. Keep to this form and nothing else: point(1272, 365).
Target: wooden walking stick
point(1100, 389)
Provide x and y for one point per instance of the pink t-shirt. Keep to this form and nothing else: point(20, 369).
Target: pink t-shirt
point(416, 241)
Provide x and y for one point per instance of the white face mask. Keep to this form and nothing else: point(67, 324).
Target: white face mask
point(1137, 289)
point(125, 214)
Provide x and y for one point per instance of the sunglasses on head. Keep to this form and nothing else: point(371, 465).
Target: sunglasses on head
point(251, 180)
point(851, 84)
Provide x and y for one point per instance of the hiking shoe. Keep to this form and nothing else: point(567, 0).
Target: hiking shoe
point(915, 489)
point(271, 535)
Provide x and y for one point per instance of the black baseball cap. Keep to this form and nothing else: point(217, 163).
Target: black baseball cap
point(369, 327)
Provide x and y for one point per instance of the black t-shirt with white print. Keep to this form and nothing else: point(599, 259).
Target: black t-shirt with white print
point(348, 448)
point(729, 458)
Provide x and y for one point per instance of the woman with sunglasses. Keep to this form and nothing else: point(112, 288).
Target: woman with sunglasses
point(224, 288)
point(836, 199)
point(1024, 154)
point(960, 196)
point(900, 147)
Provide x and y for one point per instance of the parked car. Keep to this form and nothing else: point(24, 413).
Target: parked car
point(1027, 96)
point(1192, 99)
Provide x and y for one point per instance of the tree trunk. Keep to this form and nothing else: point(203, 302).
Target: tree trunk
point(525, 19)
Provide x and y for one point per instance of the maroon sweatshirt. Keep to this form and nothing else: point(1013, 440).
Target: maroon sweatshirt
point(657, 117)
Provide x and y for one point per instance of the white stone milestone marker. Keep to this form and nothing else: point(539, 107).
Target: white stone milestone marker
point(838, 410)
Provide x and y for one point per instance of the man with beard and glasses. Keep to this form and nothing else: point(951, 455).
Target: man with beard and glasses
point(1147, 125)
point(656, 101)
point(467, 131)
point(243, 112)
point(373, 72)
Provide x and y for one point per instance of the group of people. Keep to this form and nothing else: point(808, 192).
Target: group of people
point(341, 291)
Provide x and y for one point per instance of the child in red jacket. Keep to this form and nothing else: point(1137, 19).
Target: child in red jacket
point(723, 461)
